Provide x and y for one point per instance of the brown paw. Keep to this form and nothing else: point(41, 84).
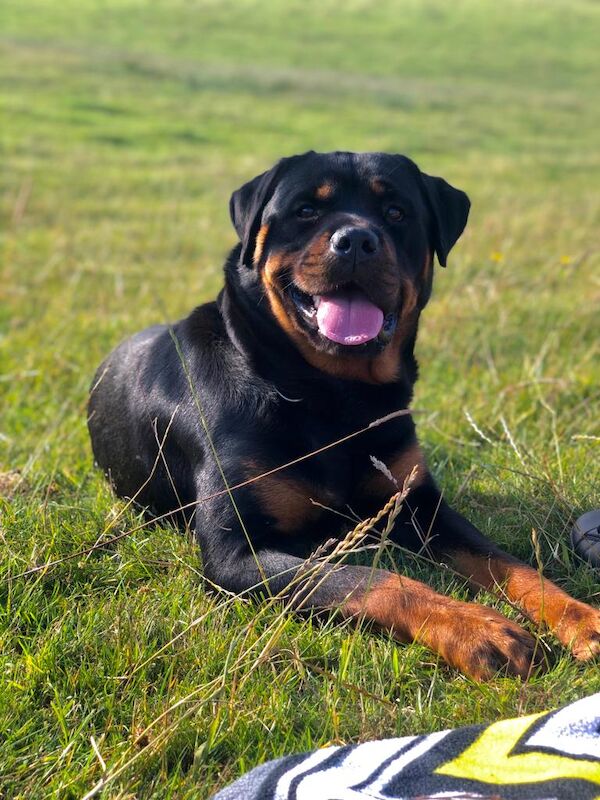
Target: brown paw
point(579, 630)
point(481, 642)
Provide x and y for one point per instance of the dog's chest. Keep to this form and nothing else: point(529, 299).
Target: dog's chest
point(326, 477)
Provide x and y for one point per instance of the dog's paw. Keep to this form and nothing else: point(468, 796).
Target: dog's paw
point(579, 630)
point(481, 643)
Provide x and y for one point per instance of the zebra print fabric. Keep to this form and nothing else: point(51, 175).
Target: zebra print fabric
point(549, 756)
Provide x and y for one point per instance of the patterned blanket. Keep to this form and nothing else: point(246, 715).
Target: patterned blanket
point(549, 756)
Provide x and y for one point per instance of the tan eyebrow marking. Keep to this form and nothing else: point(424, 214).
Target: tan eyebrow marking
point(378, 186)
point(324, 191)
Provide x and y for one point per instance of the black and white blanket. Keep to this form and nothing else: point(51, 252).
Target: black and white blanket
point(549, 756)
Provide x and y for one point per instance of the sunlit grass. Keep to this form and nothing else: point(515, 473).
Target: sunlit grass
point(125, 128)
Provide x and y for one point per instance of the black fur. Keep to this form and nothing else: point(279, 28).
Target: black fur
point(230, 371)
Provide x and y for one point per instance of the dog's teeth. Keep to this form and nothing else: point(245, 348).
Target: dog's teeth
point(316, 300)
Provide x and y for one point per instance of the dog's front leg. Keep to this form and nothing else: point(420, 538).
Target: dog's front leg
point(431, 523)
point(474, 639)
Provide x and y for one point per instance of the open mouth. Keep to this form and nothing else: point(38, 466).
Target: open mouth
point(345, 316)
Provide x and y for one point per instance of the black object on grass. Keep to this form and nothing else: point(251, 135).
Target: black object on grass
point(585, 536)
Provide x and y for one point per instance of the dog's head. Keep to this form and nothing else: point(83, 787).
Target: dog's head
point(342, 245)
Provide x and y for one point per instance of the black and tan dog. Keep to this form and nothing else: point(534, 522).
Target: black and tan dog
point(311, 339)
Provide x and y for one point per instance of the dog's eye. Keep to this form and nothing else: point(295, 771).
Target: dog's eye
point(306, 211)
point(394, 213)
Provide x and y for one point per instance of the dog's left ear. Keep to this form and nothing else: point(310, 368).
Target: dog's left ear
point(246, 207)
point(450, 210)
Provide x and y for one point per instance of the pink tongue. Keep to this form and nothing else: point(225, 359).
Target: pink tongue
point(348, 317)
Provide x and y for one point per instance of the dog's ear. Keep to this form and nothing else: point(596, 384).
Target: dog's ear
point(246, 207)
point(449, 208)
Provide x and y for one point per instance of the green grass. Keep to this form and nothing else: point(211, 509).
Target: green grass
point(125, 127)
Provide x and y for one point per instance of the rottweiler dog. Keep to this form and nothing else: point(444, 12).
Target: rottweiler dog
point(310, 340)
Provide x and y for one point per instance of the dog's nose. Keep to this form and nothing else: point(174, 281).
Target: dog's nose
point(354, 243)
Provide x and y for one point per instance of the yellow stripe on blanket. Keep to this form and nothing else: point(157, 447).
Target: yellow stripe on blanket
point(489, 758)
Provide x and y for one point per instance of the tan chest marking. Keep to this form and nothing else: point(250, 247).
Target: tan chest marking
point(575, 624)
point(401, 465)
point(289, 501)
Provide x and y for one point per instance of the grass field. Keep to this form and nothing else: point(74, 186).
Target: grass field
point(125, 127)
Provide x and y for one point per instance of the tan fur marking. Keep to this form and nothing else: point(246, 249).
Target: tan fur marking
point(272, 267)
point(287, 501)
point(382, 368)
point(377, 186)
point(260, 243)
point(324, 191)
point(340, 366)
point(520, 583)
point(410, 299)
point(384, 602)
point(401, 465)
point(475, 639)
point(574, 623)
